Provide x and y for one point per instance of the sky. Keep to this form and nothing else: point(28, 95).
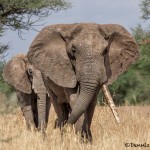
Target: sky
point(124, 12)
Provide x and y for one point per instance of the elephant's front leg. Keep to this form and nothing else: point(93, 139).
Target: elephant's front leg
point(60, 109)
point(24, 101)
point(60, 122)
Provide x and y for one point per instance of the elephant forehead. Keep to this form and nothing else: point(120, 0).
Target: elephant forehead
point(91, 40)
point(91, 36)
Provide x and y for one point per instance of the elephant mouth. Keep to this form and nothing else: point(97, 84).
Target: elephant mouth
point(110, 101)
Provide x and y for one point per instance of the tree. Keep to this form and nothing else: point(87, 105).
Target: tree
point(145, 8)
point(23, 14)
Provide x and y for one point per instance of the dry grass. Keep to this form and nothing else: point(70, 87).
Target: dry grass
point(107, 135)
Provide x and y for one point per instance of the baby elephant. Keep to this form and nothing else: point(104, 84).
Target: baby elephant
point(30, 90)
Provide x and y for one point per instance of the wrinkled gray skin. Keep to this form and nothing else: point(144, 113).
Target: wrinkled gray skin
point(59, 101)
point(79, 58)
point(30, 90)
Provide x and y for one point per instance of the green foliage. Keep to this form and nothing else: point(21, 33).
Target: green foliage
point(145, 8)
point(4, 87)
point(23, 14)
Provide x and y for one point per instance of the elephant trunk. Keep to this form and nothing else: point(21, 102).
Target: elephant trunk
point(41, 106)
point(87, 92)
point(40, 90)
point(90, 77)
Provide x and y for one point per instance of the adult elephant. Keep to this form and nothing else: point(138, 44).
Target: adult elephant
point(82, 58)
point(30, 90)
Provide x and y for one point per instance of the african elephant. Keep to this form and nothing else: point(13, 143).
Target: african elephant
point(30, 90)
point(82, 58)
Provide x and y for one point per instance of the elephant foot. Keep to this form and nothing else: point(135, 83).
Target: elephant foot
point(42, 127)
point(43, 134)
point(59, 124)
point(86, 137)
point(30, 126)
point(68, 128)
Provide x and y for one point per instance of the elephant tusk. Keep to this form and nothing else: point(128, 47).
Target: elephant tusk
point(110, 101)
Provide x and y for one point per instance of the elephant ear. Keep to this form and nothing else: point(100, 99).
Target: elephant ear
point(14, 73)
point(48, 54)
point(121, 52)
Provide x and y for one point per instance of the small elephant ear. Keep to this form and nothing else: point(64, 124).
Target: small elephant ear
point(121, 52)
point(48, 54)
point(14, 73)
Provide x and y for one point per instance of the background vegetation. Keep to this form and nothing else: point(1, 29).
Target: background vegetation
point(133, 87)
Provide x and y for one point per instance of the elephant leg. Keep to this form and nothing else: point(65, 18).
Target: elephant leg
point(65, 110)
point(28, 114)
point(58, 109)
point(24, 101)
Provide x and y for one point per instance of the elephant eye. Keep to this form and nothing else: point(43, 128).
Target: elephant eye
point(30, 72)
point(105, 51)
point(73, 49)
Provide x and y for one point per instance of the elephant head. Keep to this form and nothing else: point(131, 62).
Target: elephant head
point(19, 73)
point(85, 54)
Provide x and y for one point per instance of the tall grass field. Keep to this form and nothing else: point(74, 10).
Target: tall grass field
point(133, 133)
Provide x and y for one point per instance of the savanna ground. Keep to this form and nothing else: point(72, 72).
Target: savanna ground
point(107, 135)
